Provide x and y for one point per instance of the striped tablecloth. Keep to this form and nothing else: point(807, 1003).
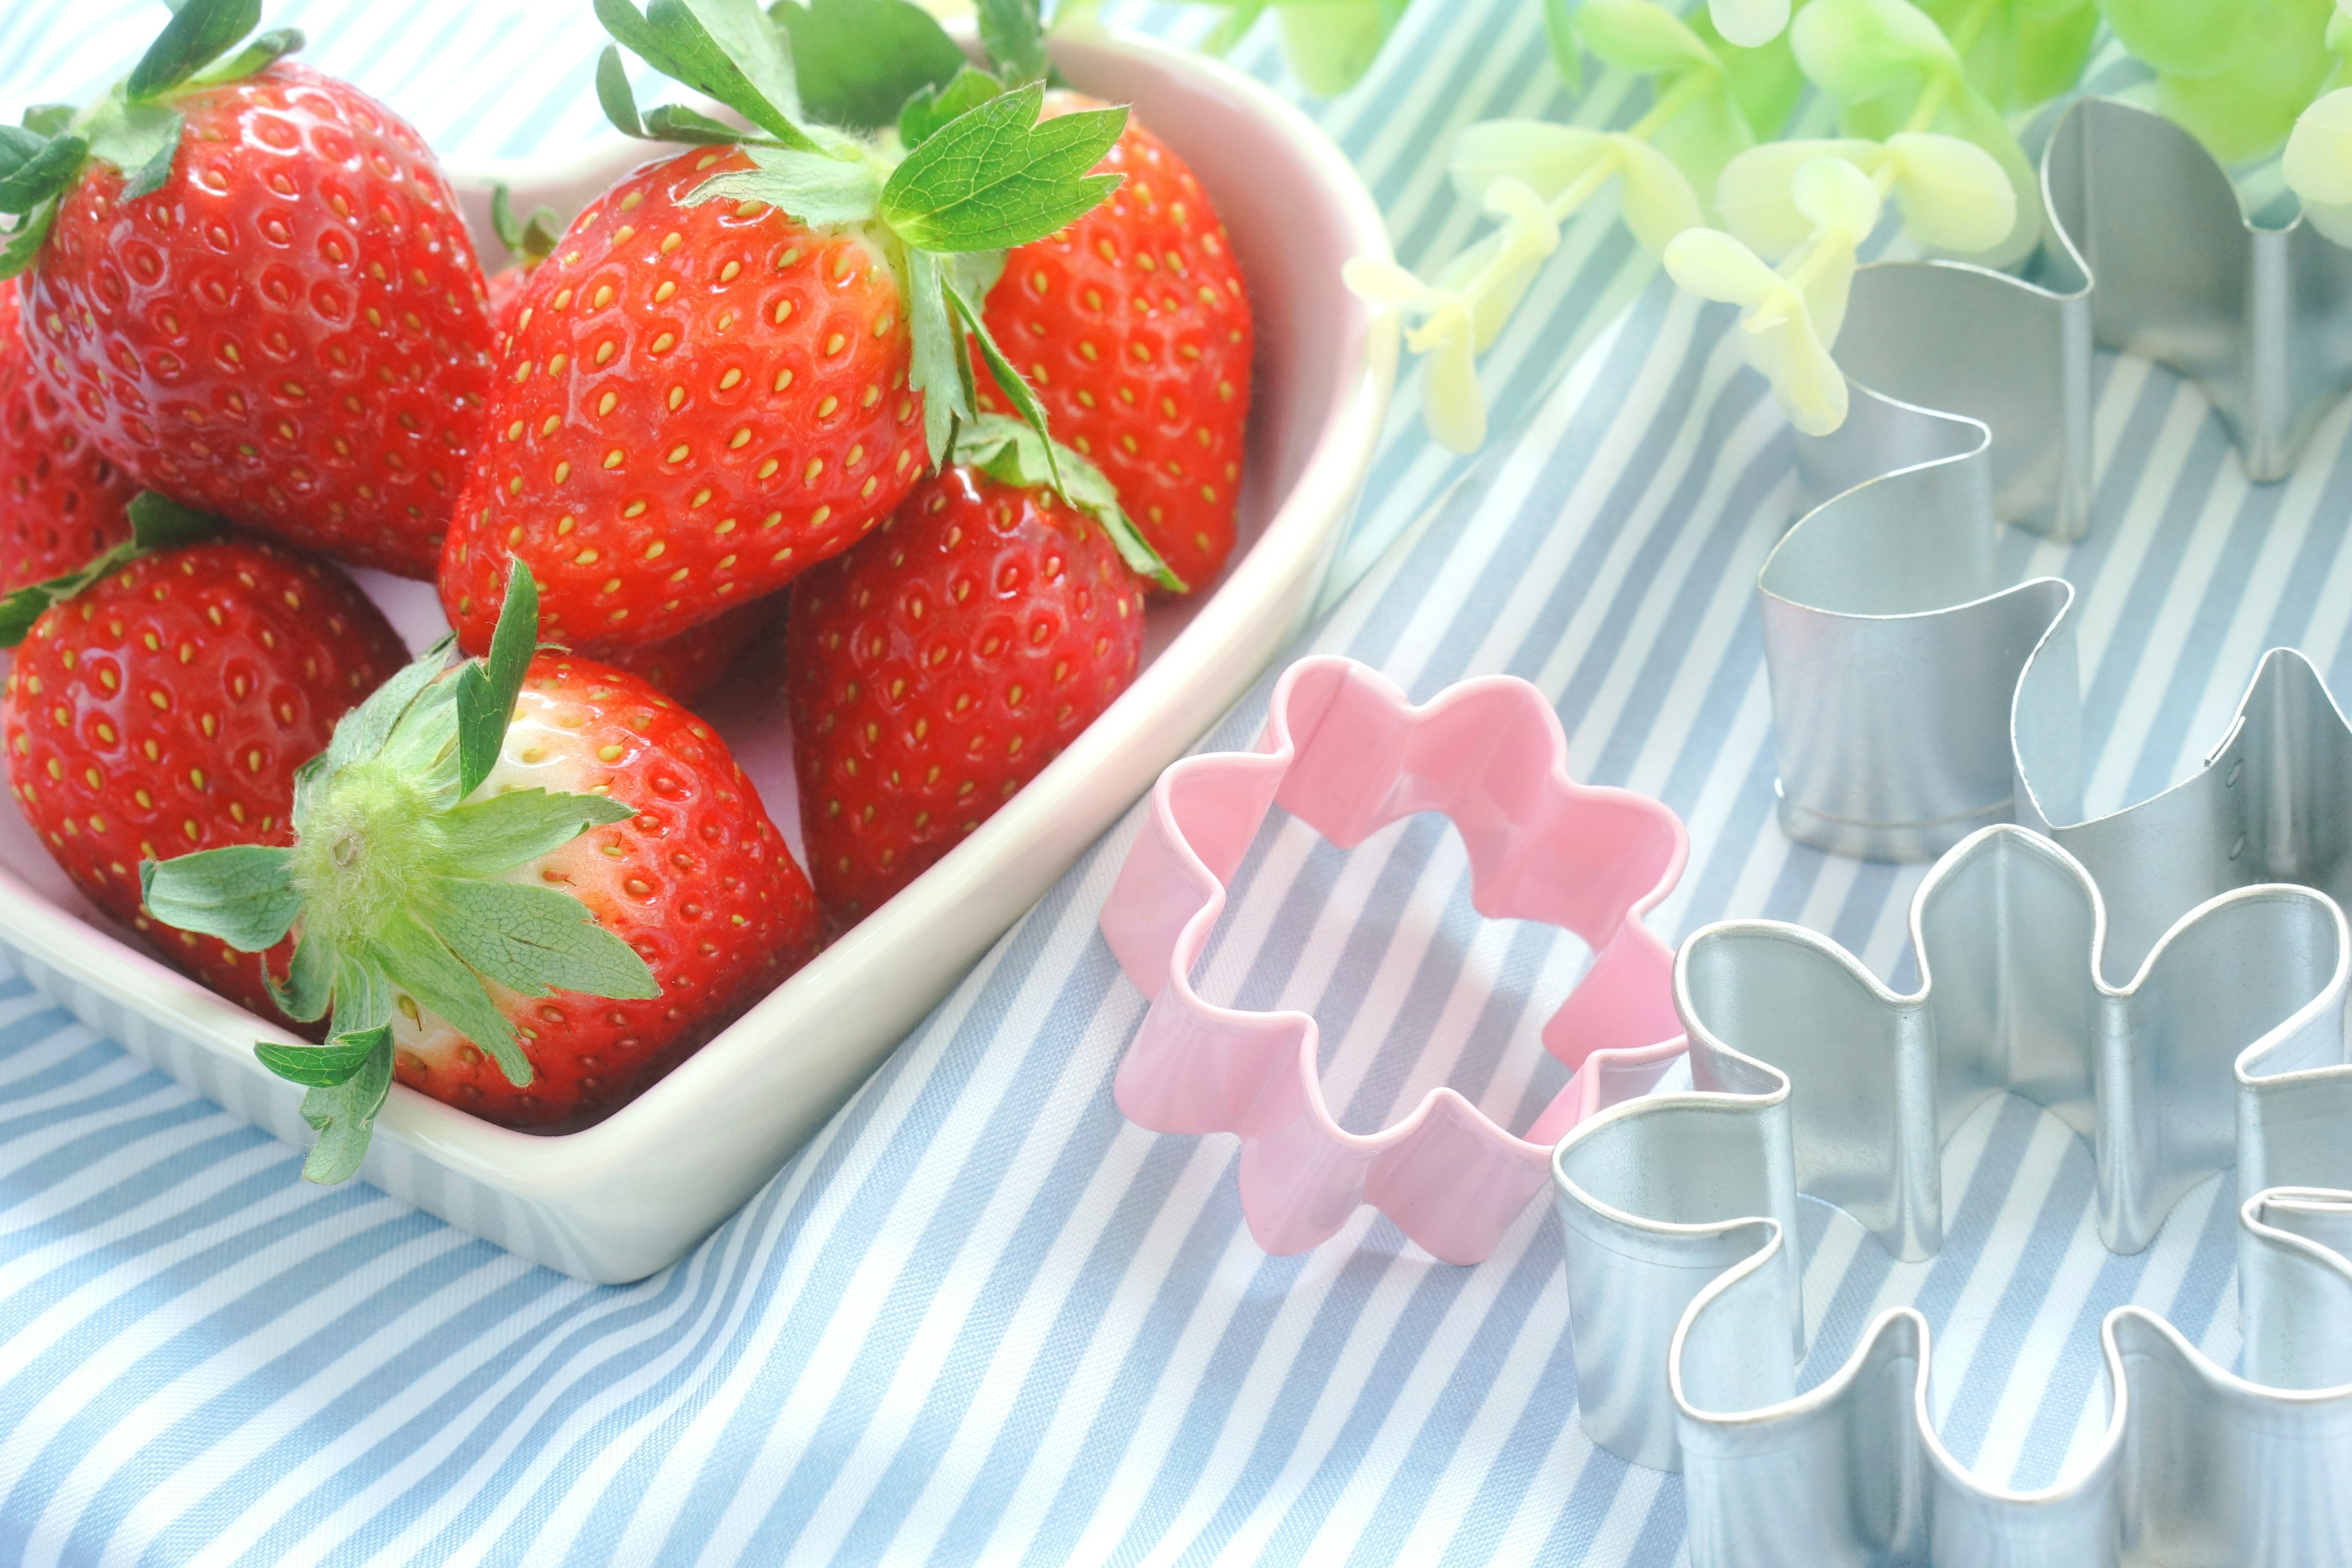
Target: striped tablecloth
point(982, 1319)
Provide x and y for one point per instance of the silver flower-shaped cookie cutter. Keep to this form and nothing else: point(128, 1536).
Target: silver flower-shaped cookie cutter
point(1914, 696)
point(2226, 1044)
point(1345, 752)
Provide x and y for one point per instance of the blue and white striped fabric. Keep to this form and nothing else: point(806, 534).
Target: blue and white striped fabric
point(982, 1319)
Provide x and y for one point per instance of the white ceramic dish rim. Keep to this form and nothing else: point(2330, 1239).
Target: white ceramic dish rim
point(533, 1167)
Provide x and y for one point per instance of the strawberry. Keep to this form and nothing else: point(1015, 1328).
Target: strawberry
point(736, 360)
point(527, 885)
point(61, 503)
point(162, 701)
point(253, 287)
point(1134, 327)
point(683, 666)
point(529, 241)
point(936, 669)
point(698, 401)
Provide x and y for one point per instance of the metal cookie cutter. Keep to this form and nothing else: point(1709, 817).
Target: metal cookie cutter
point(2226, 1044)
point(1345, 752)
point(1898, 659)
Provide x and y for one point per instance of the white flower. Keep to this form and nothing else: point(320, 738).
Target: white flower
point(2317, 163)
point(1789, 318)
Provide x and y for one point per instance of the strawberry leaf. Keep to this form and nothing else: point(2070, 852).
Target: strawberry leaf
point(272, 45)
point(310, 979)
point(676, 122)
point(155, 524)
point(725, 50)
point(49, 119)
point(939, 368)
point(1014, 36)
point(1009, 380)
point(488, 836)
point(530, 240)
point(858, 61)
point(487, 688)
point(810, 187)
point(25, 239)
point(930, 108)
point(199, 33)
point(243, 894)
point(535, 940)
point(140, 139)
point(614, 96)
point(345, 1113)
point(1012, 453)
point(419, 963)
point(996, 176)
point(42, 174)
point(323, 1066)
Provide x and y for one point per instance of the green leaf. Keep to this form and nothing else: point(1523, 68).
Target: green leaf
point(140, 139)
point(1012, 453)
point(488, 836)
point(310, 979)
point(42, 175)
point(677, 39)
point(614, 94)
point(264, 51)
point(534, 940)
point(243, 894)
point(202, 32)
point(810, 187)
point(49, 119)
point(24, 245)
point(360, 733)
point(323, 1066)
point(1566, 51)
point(503, 222)
point(416, 960)
point(1330, 45)
point(928, 110)
point(1014, 36)
point(1009, 380)
point(1234, 27)
point(18, 146)
point(995, 176)
point(858, 61)
point(345, 1114)
point(159, 522)
point(938, 368)
point(487, 688)
point(676, 122)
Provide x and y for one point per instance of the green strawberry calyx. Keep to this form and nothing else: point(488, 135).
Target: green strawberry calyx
point(531, 239)
point(393, 886)
point(966, 168)
point(1010, 453)
point(156, 523)
point(135, 126)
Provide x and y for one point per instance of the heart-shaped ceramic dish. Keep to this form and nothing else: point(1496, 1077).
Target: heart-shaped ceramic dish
point(627, 1196)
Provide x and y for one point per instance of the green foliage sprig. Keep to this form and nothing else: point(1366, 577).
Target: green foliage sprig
point(1926, 97)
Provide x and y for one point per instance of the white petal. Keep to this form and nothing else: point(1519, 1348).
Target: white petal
point(1384, 283)
point(1953, 193)
point(2317, 163)
point(1755, 194)
point(1545, 156)
point(1749, 23)
point(1656, 200)
point(1713, 265)
point(1835, 196)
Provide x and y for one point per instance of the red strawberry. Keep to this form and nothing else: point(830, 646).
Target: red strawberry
point(528, 885)
point(288, 330)
point(936, 669)
point(683, 668)
point(61, 503)
point(165, 707)
point(529, 241)
point(700, 401)
point(1133, 327)
point(736, 360)
point(699, 882)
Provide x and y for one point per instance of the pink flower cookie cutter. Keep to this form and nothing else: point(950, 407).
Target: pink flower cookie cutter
point(1345, 752)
